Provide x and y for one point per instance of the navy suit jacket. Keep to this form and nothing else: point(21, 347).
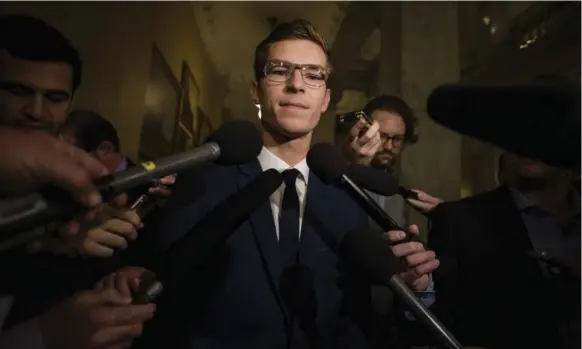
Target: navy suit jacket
point(234, 301)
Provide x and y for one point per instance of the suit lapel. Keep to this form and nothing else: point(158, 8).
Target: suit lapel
point(509, 217)
point(317, 205)
point(263, 225)
point(511, 235)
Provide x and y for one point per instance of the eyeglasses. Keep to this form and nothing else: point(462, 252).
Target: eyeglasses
point(397, 140)
point(313, 75)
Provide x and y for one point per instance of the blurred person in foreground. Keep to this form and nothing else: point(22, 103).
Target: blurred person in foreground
point(39, 74)
point(490, 289)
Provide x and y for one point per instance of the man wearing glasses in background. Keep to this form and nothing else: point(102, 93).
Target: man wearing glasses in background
point(380, 145)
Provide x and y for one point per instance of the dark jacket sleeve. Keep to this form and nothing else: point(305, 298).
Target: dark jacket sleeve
point(455, 306)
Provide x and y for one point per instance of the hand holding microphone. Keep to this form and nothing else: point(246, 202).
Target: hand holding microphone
point(99, 234)
point(365, 250)
point(423, 202)
point(31, 158)
point(326, 162)
point(419, 262)
point(233, 143)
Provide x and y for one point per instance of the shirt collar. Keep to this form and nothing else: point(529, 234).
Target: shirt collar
point(122, 165)
point(523, 203)
point(268, 160)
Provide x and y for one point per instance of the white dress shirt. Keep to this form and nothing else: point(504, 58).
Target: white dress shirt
point(268, 160)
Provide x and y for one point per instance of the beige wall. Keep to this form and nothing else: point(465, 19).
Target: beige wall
point(420, 46)
point(115, 40)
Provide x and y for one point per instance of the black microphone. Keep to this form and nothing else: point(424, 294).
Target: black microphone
point(328, 164)
point(539, 121)
point(370, 253)
point(233, 143)
point(193, 249)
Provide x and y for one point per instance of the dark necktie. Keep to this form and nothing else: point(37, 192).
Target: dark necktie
point(289, 220)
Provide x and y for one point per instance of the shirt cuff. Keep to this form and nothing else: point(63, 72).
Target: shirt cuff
point(24, 336)
point(427, 297)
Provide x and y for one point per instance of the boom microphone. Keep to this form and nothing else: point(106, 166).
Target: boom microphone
point(329, 165)
point(233, 143)
point(539, 121)
point(373, 256)
point(188, 253)
point(194, 248)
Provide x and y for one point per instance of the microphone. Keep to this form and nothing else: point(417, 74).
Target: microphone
point(329, 165)
point(194, 248)
point(540, 121)
point(233, 143)
point(187, 254)
point(370, 253)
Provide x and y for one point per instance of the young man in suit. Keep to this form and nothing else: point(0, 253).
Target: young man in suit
point(489, 289)
point(244, 306)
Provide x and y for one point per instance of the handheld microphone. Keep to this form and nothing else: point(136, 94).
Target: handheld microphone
point(407, 193)
point(232, 143)
point(149, 288)
point(540, 121)
point(367, 251)
point(329, 165)
point(187, 254)
point(193, 249)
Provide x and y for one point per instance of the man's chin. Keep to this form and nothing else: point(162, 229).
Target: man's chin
point(382, 163)
point(286, 131)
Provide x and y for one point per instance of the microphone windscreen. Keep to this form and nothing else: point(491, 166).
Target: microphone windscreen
point(366, 250)
point(539, 121)
point(239, 141)
point(326, 162)
point(223, 220)
point(379, 182)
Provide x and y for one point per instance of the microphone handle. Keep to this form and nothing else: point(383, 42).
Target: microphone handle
point(119, 182)
point(394, 283)
point(150, 289)
point(21, 214)
point(407, 193)
point(422, 313)
point(377, 213)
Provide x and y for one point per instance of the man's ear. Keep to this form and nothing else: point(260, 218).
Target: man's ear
point(255, 92)
point(326, 100)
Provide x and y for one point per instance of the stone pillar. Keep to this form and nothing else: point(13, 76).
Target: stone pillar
point(430, 57)
point(390, 57)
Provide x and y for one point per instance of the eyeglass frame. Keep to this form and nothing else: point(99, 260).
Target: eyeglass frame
point(301, 67)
